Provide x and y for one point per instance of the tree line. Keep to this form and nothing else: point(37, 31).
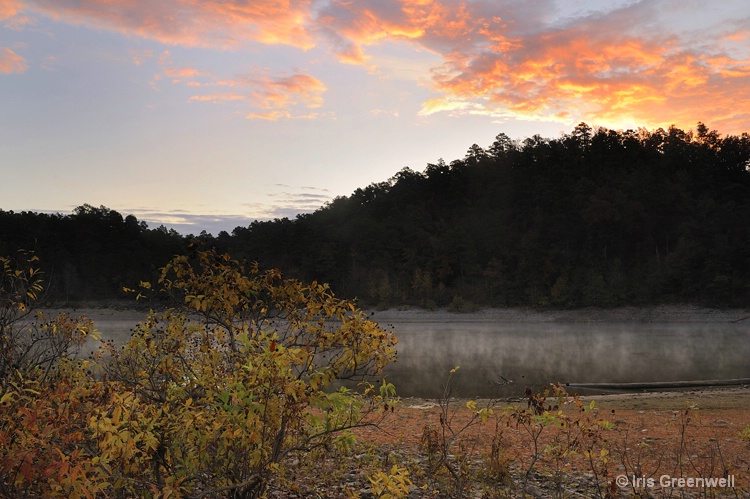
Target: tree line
point(596, 217)
point(91, 254)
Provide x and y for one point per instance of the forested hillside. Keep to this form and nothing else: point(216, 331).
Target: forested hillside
point(595, 217)
point(91, 254)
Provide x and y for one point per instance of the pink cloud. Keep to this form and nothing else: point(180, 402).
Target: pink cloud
point(208, 23)
point(606, 79)
point(9, 8)
point(352, 25)
point(10, 62)
point(525, 60)
point(511, 59)
point(139, 57)
point(187, 74)
point(287, 91)
point(219, 97)
point(270, 97)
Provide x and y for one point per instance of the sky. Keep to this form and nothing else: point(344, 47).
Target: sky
point(209, 114)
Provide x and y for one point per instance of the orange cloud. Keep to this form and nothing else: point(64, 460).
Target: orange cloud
point(140, 56)
point(185, 73)
point(560, 72)
point(205, 23)
point(271, 98)
point(286, 92)
point(603, 74)
point(352, 25)
point(9, 8)
point(525, 59)
point(10, 62)
point(219, 97)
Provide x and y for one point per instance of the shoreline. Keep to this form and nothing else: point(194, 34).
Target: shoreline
point(656, 314)
point(712, 399)
point(629, 314)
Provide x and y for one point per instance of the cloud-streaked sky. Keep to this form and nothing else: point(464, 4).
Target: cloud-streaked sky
point(207, 114)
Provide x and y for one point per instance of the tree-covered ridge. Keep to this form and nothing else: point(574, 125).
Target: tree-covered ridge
point(90, 254)
point(594, 217)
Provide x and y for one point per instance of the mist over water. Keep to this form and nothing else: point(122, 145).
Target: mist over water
point(536, 354)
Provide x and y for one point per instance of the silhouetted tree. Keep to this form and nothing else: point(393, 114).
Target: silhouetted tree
point(594, 217)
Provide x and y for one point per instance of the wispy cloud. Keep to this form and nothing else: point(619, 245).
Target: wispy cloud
point(269, 97)
point(278, 96)
point(10, 62)
point(9, 8)
point(185, 74)
point(207, 23)
point(265, 95)
point(139, 57)
point(290, 201)
point(293, 200)
point(526, 59)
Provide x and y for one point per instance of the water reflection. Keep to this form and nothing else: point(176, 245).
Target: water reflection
point(535, 354)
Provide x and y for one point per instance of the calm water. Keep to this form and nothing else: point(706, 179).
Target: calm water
point(535, 354)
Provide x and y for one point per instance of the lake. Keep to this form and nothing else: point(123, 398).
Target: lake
point(540, 352)
point(536, 354)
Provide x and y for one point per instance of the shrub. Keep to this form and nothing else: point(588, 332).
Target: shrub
point(45, 395)
point(745, 433)
point(243, 371)
point(207, 398)
point(462, 306)
point(31, 345)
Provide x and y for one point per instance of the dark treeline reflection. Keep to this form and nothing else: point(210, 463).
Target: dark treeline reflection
point(594, 217)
